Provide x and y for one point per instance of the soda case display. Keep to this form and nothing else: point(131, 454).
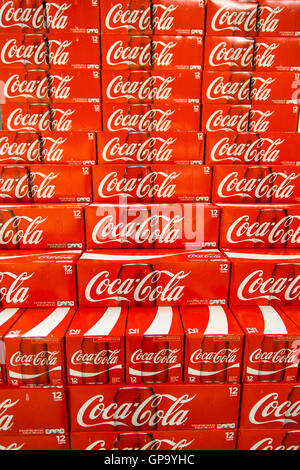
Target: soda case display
point(264, 277)
point(270, 406)
point(95, 346)
point(151, 226)
point(32, 411)
point(278, 54)
point(142, 86)
point(151, 183)
point(259, 226)
point(8, 316)
point(151, 52)
point(213, 345)
point(154, 440)
point(151, 278)
point(154, 407)
point(38, 278)
point(24, 442)
point(278, 18)
point(45, 183)
point(275, 148)
point(149, 147)
point(49, 17)
point(56, 51)
point(45, 117)
point(155, 17)
point(256, 184)
point(159, 118)
point(272, 344)
point(34, 226)
point(154, 346)
point(46, 86)
point(268, 439)
point(35, 349)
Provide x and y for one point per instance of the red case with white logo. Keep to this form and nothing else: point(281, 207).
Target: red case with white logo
point(38, 279)
point(156, 183)
point(213, 345)
point(272, 344)
point(268, 439)
point(227, 53)
point(151, 226)
point(275, 87)
point(277, 53)
point(151, 278)
point(153, 407)
point(279, 17)
point(294, 314)
point(154, 346)
point(8, 316)
point(56, 442)
point(95, 346)
point(35, 349)
point(232, 18)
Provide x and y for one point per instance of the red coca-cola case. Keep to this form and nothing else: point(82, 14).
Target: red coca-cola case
point(63, 86)
point(156, 183)
point(56, 442)
point(264, 277)
point(277, 53)
point(226, 53)
point(270, 406)
point(232, 18)
point(151, 52)
point(148, 147)
point(153, 407)
point(213, 345)
point(150, 278)
point(279, 17)
point(275, 148)
point(46, 16)
point(154, 346)
point(153, 17)
point(151, 226)
point(56, 51)
point(259, 226)
point(141, 86)
point(293, 313)
point(268, 439)
point(24, 226)
point(45, 183)
point(35, 350)
point(256, 184)
point(272, 344)
point(45, 117)
point(95, 346)
point(38, 278)
point(157, 440)
point(8, 316)
point(33, 411)
point(226, 87)
point(275, 87)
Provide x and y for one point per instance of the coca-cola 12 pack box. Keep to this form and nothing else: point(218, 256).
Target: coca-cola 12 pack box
point(268, 439)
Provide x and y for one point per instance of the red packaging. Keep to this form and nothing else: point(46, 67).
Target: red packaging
point(260, 226)
point(34, 226)
point(293, 313)
point(229, 53)
point(259, 184)
point(95, 346)
point(272, 344)
point(44, 86)
point(231, 18)
point(152, 52)
point(278, 54)
point(155, 148)
point(270, 406)
point(57, 51)
point(151, 86)
point(153, 407)
point(152, 278)
point(38, 279)
point(33, 411)
point(279, 17)
point(57, 442)
point(213, 345)
point(268, 439)
point(35, 349)
point(157, 440)
point(226, 87)
point(275, 148)
point(275, 87)
point(45, 183)
point(155, 17)
point(43, 117)
point(154, 346)
point(263, 277)
point(158, 118)
point(8, 317)
point(151, 226)
point(49, 16)
point(156, 183)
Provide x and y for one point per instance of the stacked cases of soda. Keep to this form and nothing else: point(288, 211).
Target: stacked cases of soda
point(251, 112)
point(50, 90)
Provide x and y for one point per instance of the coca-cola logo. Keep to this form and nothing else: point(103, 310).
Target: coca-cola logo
point(261, 88)
point(219, 120)
point(12, 446)
point(154, 52)
point(234, 20)
point(164, 356)
point(153, 444)
point(6, 419)
point(13, 291)
point(219, 89)
point(270, 410)
point(57, 119)
point(225, 355)
point(156, 149)
point(54, 87)
point(151, 88)
point(225, 54)
point(104, 357)
point(32, 54)
point(19, 187)
point(267, 443)
point(264, 54)
point(46, 149)
point(268, 18)
point(41, 359)
point(260, 150)
point(11, 231)
point(152, 120)
point(282, 356)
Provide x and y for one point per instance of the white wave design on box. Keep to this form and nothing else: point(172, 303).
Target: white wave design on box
point(274, 324)
point(141, 373)
point(106, 323)
point(75, 373)
point(217, 323)
point(16, 375)
point(205, 373)
point(44, 328)
point(162, 322)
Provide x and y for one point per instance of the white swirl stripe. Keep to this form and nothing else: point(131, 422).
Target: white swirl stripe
point(106, 323)
point(204, 373)
point(274, 324)
point(75, 373)
point(217, 323)
point(143, 373)
point(161, 323)
point(6, 314)
point(44, 328)
point(16, 375)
